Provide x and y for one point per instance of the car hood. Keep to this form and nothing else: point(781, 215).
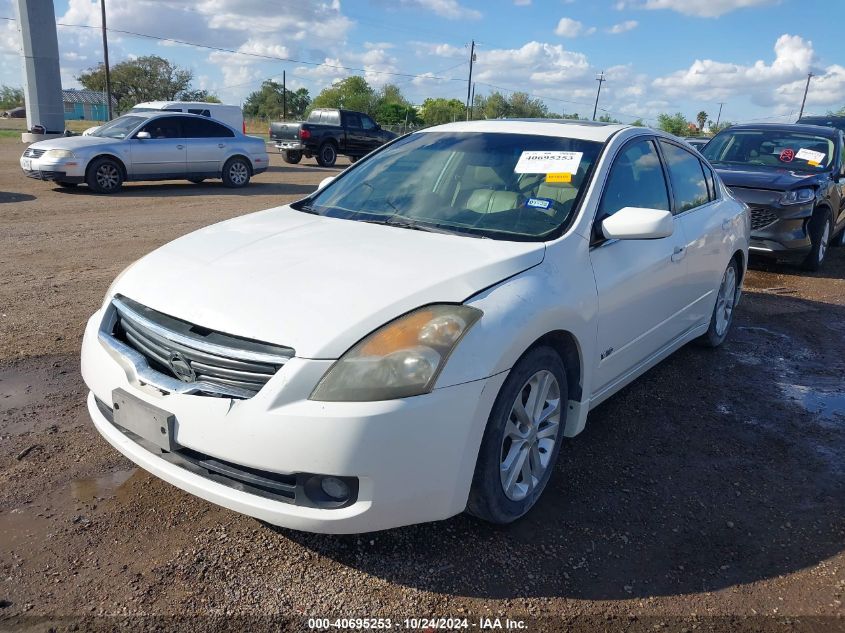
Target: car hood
point(312, 283)
point(777, 179)
point(72, 142)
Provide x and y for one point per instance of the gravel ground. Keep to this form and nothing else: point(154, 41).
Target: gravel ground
point(707, 496)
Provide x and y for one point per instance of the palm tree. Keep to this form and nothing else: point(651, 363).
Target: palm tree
point(701, 117)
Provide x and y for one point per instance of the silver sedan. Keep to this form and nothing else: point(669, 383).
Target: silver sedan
point(148, 146)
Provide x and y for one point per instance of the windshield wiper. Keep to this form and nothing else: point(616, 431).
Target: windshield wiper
point(404, 223)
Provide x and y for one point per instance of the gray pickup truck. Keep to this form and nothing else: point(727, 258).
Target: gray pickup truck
point(327, 133)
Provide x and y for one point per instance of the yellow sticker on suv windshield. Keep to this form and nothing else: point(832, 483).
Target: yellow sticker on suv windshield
point(813, 163)
point(564, 177)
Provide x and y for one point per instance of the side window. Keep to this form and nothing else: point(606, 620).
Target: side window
point(202, 128)
point(367, 123)
point(331, 117)
point(200, 112)
point(688, 183)
point(636, 180)
point(165, 127)
point(352, 119)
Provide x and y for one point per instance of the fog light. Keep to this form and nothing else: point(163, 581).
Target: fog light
point(335, 488)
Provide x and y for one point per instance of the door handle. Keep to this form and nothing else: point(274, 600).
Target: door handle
point(726, 224)
point(180, 147)
point(679, 253)
point(221, 145)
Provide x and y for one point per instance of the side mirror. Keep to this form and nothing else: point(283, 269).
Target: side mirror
point(324, 182)
point(143, 136)
point(636, 223)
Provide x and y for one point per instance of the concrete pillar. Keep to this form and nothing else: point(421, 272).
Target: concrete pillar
point(40, 58)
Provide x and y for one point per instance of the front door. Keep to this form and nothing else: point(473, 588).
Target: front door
point(640, 283)
point(164, 154)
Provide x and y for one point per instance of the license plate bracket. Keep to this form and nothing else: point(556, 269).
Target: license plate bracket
point(143, 419)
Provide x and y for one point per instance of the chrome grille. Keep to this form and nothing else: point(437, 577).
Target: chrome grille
point(761, 218)
point(232, 366)
point(29, 152)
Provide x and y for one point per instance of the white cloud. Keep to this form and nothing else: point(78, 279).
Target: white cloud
point(697, 8)
point(567, 27)
point(522, 3)
point(623, 27)
point(450, 9)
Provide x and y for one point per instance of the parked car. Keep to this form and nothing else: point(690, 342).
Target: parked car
point(15, 113)
point(148, 146)
point(697, 142)
point(419, 335)
point(327, 133)
point(830, 121)
point(231, 115)
point(793, 179)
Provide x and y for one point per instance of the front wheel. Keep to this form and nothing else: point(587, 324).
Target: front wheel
point(104, 176)
point(723, 312)
point(327, 155)
point(819, 230)
point(236, 173)
point(522, 439)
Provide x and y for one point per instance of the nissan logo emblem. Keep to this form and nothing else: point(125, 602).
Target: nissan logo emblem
point(181, 368)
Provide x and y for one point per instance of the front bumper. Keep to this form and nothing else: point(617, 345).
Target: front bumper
point(413, 458)
point(66, 170)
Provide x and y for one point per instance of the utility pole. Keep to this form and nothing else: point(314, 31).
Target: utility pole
point(284, 98)
point(806, 89)
point(601, 80)
point(469, 81)
point(472, 101)
point(719, 117)
point(106, 59)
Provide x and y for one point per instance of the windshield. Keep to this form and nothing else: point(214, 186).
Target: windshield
point(771, 148)
point(119, 128)
point(503, 186)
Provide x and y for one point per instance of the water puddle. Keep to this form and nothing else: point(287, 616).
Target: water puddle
point(828, 405)
point(103, 487)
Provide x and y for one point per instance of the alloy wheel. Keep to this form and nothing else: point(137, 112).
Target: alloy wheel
point(725, 301)
point(108, 176)
point(530, 435)
point(238, 173)
point(825, 240)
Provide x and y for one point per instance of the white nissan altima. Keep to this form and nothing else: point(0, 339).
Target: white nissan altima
point(419, 336)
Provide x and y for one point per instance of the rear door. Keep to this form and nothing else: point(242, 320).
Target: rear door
point(164, 154)
point(208, 144)
point(640, 283)
point(707, 221)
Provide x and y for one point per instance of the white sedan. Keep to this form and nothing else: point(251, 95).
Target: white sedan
point(419, 336)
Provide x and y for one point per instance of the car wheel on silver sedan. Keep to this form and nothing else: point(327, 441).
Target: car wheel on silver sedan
point(236, 173)
point(104, 176)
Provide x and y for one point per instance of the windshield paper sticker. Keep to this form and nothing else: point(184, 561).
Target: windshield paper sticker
point(548, 162)
point(810, 156)
point(538, 203)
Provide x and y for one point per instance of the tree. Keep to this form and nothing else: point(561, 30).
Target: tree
point(673, 123)
point(723, 125)
point(267, 102)
point(10, 97)
point(839, 112)
point(638, 123)
point(352, 93)
point(606, 118)
point(148, 78)
point(701, 118)
point(392, 108)
point(199, 95)
point(440, 110)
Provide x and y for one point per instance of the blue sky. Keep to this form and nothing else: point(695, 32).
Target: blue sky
point(658, 55)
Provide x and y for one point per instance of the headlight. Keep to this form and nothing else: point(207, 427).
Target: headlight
point(400, 359)
point(59, 153)
point(798, 196)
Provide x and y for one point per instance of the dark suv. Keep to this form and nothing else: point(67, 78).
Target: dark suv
point(792, 178)
point(833, 120)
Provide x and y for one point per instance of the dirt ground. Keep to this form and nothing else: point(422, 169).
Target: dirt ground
point(707, 496)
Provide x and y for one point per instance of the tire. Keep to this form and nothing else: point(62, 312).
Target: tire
point(327, 155)
point(66, 185)
point(196, 181)
point(236, 173)
point(722, 316)
point(104, 175)
point(354, 159)
point(292, 157)
point(839, 240)
point(820, 228)
point(501, 495)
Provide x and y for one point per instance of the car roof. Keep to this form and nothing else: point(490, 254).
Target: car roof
point(164, 104)
point(806, 128)
point(565, 128)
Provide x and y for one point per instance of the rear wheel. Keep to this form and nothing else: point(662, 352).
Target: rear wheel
point(327, 155)
point(723, 312)
point(236, 173)
point(292, 157)
point(839, 240)
point(819, 230)
point(522, 439)
point(104, 176)
point(354, 159)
